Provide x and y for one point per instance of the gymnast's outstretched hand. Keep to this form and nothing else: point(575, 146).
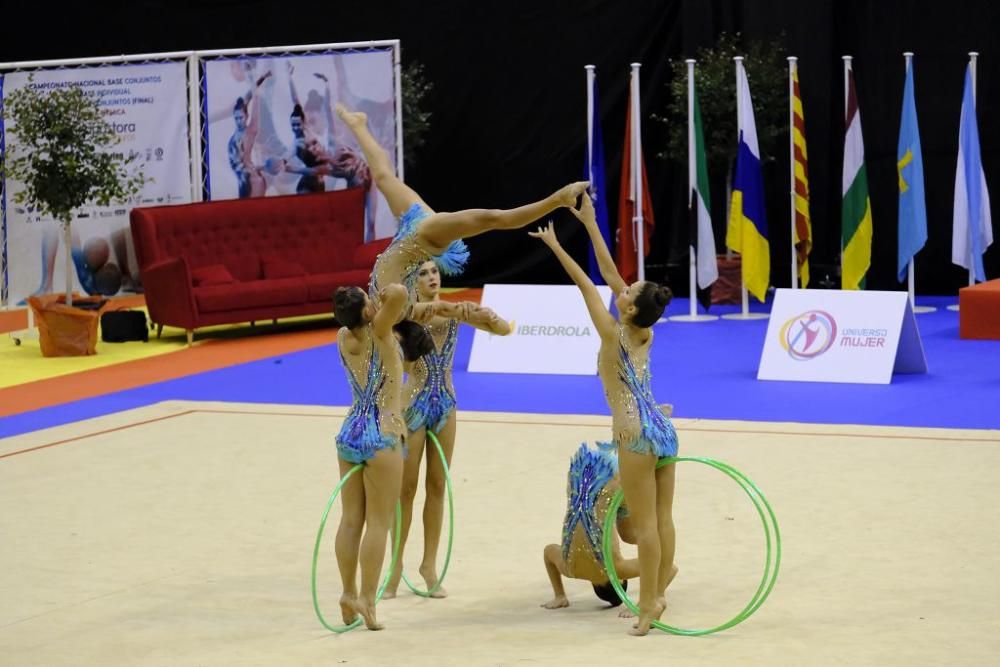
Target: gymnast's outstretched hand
point(547, 235)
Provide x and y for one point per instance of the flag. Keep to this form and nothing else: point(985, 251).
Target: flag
point(747, 231)
point(701, 234)
point(595, 174)
point(972, 227)
point(910, 166)
point(856, 210)
point(803, 225)
point(628, 264)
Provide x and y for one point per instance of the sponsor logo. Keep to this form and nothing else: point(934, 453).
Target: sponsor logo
point(123, 128)
point(159, 154)
point(120, 211)
point(107, 214)
point(856, 337)
point(808, 335)
point(547, 330)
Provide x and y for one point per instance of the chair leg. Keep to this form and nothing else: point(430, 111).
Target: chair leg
point(190, 335)
point(159, 330)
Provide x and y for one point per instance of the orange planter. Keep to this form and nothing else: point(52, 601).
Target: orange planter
point(67, 331)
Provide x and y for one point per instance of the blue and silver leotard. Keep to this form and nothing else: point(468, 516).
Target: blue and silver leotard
point(429, 391)
point(400, 262)
point(374, 421)
point(637, 419)
point(587, 500)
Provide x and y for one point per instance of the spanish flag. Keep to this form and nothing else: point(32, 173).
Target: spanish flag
point(747, 230)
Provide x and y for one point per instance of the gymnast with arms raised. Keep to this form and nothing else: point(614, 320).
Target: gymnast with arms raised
point(642, 433)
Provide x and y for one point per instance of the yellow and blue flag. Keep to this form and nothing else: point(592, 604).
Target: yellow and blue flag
point(747, 230)
point(910, 167)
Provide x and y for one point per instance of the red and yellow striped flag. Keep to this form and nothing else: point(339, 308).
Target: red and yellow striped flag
point(803, 226)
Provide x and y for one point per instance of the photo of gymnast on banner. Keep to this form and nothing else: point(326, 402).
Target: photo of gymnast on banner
point(271, 127)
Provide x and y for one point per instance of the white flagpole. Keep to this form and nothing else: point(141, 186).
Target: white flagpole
point(692, 177)
point(744, 296)
point(744, 313)
point(590, 122)
point(792, 66)
point(692, 315)
point(638, 222)
point(973, 55)
point(847, 69)
point(908, 58)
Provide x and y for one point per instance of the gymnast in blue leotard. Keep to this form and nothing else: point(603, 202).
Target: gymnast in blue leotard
point(374, 434)
point(423, 233)
point(642, 432)
point(429, 397)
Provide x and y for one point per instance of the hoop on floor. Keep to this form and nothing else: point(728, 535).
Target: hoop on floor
point(319, 536)
point(767, 518)
point(451, 526)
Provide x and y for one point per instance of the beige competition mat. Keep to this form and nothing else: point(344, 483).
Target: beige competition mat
point(182, 534)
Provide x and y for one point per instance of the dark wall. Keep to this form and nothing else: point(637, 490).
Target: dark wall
point(509, 95)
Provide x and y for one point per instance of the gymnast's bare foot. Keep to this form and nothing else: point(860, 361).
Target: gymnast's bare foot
point(353, 119)
point(641, 626)
point(367, 611)
point(558, 602)
point(568, 194)
point(390, 592)
point(431, 578)
point(346, 610)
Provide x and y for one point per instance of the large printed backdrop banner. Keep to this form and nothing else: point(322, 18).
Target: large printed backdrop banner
point(272, 130)
point(147, 106)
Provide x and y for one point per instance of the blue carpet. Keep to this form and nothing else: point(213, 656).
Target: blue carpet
point(706, 370)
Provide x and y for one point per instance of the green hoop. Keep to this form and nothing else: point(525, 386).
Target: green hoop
point(767, 519)
point(451, 526)
point(319, 536)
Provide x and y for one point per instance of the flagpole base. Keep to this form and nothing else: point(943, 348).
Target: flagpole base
point(692, 318)
point(953, 307)
point(924, 309)
point(746, 316)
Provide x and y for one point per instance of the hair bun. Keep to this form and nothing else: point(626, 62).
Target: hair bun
point(663, 295)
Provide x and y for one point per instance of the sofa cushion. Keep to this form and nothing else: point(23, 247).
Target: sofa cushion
point(275, 267)
point(213, 274)
point(321, 286)
point(253, 294)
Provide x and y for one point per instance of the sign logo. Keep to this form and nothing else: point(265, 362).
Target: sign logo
point(808, 335)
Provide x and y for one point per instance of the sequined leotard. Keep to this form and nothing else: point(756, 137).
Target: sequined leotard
point(375, 420)
point(587, 498)
point(637, 420)
point(401, 260)
point(429, 394)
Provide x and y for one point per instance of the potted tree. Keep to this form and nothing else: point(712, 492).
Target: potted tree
point(58, 147)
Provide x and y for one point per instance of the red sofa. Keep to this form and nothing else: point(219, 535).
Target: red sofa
point(250, 259)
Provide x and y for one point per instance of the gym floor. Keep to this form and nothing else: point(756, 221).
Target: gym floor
point(182, 532)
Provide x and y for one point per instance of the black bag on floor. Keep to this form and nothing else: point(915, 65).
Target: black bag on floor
point(119, 326)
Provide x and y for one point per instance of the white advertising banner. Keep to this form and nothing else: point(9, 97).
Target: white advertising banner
point(147, 107)
point(841, 336)
point(272, 129)
point(552, 331)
